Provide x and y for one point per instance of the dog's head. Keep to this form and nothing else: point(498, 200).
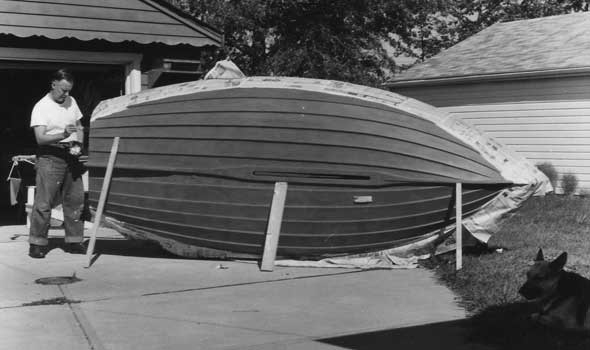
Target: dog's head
point(543, 277)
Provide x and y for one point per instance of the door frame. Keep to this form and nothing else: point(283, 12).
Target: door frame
point(131, 61)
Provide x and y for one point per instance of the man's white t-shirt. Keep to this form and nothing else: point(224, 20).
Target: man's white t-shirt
point(56, 116)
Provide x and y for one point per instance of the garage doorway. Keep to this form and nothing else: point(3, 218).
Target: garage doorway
point(24, 83)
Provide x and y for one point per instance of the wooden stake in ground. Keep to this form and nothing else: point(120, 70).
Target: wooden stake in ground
point(459, 225)
point(274, 226)
point(102, 199)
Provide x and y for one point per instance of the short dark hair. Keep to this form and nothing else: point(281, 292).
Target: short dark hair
point(62, 74)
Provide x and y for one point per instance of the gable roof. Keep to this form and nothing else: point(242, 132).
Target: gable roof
point(141, 21)
point(555, 44)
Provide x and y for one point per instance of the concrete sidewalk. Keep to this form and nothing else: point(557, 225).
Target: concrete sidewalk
point(140, 298)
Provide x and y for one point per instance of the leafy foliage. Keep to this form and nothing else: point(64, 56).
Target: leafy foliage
point(549, 170)
point(473, 16)
point(569, 184)
point(357, 41)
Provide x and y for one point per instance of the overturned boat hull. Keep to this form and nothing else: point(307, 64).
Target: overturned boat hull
point(197, 164)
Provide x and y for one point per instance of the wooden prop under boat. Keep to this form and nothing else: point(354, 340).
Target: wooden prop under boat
point(198, 161)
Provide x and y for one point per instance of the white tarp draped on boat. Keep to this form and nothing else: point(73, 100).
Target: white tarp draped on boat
point(224, 70)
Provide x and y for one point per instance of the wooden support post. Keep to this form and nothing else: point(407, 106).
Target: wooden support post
point(102, 199)
point(274, 226)
point(459, 225)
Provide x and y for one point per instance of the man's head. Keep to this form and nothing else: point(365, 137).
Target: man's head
point(62, 82)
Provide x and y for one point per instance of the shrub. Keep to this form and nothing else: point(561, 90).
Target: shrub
point(549, 170)
point(569, 184)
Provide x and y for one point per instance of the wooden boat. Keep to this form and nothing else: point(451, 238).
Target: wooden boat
point(197, 164)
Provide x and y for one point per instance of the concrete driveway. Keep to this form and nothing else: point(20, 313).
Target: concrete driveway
point(136, 297)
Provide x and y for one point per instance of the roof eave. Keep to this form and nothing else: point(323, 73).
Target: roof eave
point(534, 74)
point(204, 28)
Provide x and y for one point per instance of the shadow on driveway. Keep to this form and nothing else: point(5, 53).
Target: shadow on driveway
point(443, 335)
point(499, 327)
point(121, 247)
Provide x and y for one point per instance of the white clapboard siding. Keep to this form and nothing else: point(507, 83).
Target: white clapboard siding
point(553, 125)
point(557, 132)
point(578, 105)
point(542, 134)
point(541, 119)
point(517, 141)
point(572, 88)
point(557, 156)
point(544, 148)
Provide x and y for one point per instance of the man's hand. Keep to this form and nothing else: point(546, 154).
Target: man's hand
point(70, 129)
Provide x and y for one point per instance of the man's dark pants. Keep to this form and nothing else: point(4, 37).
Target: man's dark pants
point(58, 179)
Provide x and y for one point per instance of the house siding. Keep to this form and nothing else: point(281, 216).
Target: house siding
point(548, 89)
point(545, 120)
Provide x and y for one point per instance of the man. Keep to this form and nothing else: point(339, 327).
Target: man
point(55, 120)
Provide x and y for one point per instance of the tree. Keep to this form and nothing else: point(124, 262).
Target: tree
point(473, 16)
point(348, 40)
point(352, 40)
point(447, 23)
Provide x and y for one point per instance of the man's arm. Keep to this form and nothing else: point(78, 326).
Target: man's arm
point(80, 131)
point(46, 139)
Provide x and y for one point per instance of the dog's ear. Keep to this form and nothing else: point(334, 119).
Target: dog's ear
point(540, 256)
point(559, 262)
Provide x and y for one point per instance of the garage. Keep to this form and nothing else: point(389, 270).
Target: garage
point(113, 48)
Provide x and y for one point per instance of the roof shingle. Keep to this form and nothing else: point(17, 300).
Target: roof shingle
point(541, 44)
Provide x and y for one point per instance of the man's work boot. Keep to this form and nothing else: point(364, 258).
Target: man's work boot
point(36, 251)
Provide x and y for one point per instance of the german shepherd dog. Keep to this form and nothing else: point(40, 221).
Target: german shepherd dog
point(564, 296)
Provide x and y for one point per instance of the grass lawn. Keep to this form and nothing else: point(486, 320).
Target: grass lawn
point(488, 283)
